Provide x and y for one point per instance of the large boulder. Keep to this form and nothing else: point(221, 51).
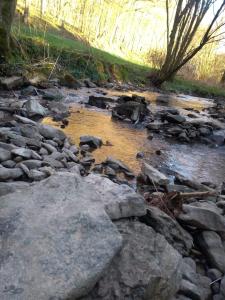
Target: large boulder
point(211, 245)
point(154, 175)
point(58, 239)
point(92, 141)
point(99, 101)
point(179, 238)
point(147, 267)
point(50, 132)
point(202, 218)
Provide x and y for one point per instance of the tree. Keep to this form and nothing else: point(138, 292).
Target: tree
point(188, 18)
point(7, 10)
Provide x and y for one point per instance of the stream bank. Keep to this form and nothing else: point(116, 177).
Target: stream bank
point(98, 236)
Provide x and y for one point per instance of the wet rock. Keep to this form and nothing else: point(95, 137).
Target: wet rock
point(154, 126)
point(154, 175)
point(171, 118)
point(11, 187)
point(53, 94)
point(11, 83)
point(30, 131)
point(99, 101)
point(183, 137)
point(48, 160)
point(49, 147)
point(4, 155)
point(33, 108)
point(29, 91)
point(110, 172)
point(70, 155)
point(180, 239)
point(6, 146)
point(89, 84)
point(222, 288)
point(140, 155)
point(98, 168)
point(74, 149)
point(155, 274)
point(132, 110)
point(202, 218)
point(191, 290)
point(116, 164)
point(87, 161)
point(211, 245)
point(24, 120)
point(50, 132)
point(92, 141)
point(49, 240)
point(6, 174)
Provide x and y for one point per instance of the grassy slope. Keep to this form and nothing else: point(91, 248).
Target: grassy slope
point(85, 61)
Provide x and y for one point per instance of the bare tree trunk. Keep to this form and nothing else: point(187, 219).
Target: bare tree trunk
point(7, 10)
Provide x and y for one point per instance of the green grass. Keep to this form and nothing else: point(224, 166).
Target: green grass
point(82, 60)
point(194, 88)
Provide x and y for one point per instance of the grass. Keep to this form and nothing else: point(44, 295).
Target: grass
point(82, 60)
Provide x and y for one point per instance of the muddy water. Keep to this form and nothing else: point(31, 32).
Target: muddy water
point(198, 162)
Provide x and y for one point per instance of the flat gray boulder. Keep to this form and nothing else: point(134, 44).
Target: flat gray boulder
point(154, 175)
point(33, 108)
point(57, 239)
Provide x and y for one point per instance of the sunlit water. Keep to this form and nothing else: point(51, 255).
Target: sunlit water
point(198, 162)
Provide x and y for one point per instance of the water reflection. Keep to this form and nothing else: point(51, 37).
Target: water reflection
point(197, 161)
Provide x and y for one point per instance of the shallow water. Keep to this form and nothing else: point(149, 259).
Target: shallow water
point(198, 162)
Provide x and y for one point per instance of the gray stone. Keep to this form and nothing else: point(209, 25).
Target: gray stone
point(37, 175)
point(87, 160)
point(174, 118)
point(110, 172)
point(222, 287)
point(147, 267)
point(49, 147)
point(11, 187)
point(9, 164)
point(70, 155)
point(6, 174)
point(30, 131)
point(154, 175)
point(202, 218)
point(211, 245)
point(116, 164)
point(6, 146)
point(53, 94)
point(24, 120)
point(63, 248)
point(192, 291)
point(120, 200)
point(180, 239)
point(32, 163)
point(50, 132)
point(74, 149)
point(92, 141)
point(52, 162)
point(4, 155)
point(26, 153)
point(33, 108)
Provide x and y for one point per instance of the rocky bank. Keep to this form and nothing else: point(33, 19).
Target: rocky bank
point(74, 230)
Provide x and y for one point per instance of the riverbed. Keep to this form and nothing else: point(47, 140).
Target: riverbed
point(196, 161)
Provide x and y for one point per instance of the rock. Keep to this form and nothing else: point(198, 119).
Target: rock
point(120, 200)
point(26, 153)
point(156, 126)
point(6, 174)
point(87, 161)
point(68, 251)
point(24, 120)
point(9, 164)
point(29, 91)
point(178, 119)
point(50, 132)
point(204, 131)
point(33, 108)
point(74, 149)
point(110, 172)
point(69, 81)
point(37, 175)
point(147, 267)
point(191, 290)
point(116, 164)
point(140, 155)
point(30, 131)
point(32, 163)
point(154, 175)
point(132, 110)
point(211, 245)
point(222, 288)
point(202, 218)
point(89, 84)
point(4, 155)
point(49, 147)
point(11, 187)
point(53, 94)
point(70, 155)
point(180, 239)
point(6, 146)
point(183, 137)
point(92, 141)
point(48, 160)
point(99, 101)
point(11, 83)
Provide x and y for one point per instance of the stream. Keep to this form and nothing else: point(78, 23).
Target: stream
point(197, 162)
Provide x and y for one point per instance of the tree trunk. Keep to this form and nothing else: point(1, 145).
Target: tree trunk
point(7, 10)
